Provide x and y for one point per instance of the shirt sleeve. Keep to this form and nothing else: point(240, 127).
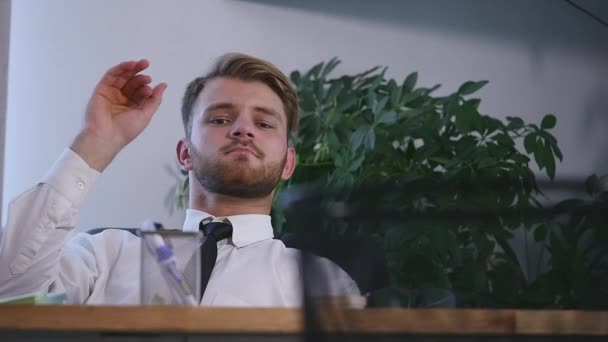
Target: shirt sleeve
point(40, 221)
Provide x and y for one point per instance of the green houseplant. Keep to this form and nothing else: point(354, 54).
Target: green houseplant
point(367, 128)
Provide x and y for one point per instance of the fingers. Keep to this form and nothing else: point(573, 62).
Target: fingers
point(114, 72)
point(140, 95)
point(118, 75)
point(151, 103)
point(134, 85)
point(128, 73)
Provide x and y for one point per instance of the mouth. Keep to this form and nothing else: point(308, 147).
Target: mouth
point(242, 150)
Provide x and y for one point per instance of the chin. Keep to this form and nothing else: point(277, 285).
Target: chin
point(243, 157)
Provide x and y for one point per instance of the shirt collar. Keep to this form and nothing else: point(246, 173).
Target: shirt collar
point(246, 229)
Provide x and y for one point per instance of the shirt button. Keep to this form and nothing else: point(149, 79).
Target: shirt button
point(80, 185)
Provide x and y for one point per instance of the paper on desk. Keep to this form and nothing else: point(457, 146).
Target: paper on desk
point(36, 298)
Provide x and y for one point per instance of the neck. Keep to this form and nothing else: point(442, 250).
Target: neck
point(223, 205)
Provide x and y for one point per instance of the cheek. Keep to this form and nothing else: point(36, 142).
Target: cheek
point(209, 139)
point(277, 150)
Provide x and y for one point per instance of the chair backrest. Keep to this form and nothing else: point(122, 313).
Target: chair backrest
point(134, 231)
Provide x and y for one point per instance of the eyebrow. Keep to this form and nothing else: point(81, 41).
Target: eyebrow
point(259, 109)
point(219, 105)
point(269, 111)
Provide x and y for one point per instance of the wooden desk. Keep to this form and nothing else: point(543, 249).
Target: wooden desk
point(108, 321)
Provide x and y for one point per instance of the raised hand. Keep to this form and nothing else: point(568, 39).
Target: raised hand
point(120, 108)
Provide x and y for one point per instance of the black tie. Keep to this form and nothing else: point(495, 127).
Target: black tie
point(214, 232)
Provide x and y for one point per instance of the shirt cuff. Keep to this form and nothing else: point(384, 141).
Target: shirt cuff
point(71, 176)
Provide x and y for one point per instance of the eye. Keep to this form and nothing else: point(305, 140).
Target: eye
point(265, 125)
point(219, 121)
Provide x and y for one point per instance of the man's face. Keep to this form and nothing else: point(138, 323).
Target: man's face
point(238, 145)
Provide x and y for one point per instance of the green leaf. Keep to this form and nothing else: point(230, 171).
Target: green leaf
point(333, 140)
point(549, 161)
point(544, 158)
point(491, 125)
point(454, 163)
point(557, 151)
point(377, 80)
point(470, 87)
point(592, 184)
point(604, 183)
point(296, 78)
point(550, 139)
point(521, 159)
point(432, 89)
point(387, 118)
point(345, 103)
point(338, 159)
point(307, 101)
point(409, 83)
point(486, 162)
point(410, 151)
point(439, 160)
point(412, 96)
point(548, 122)
point(370, 139)
point(452, 106)
point(540, 233)
point(504, 139)
point(314, 71)
point(329, 67)
point(474, 102)
point(410, 113)
point(530, 142)
point(515, 122)
point(372, 99)
point(362, 75)
point(539, 158)
point(467, 118)
point(356, 164)
point(356, 139)
point(395, 93)
point(380, 105)
point(568, 204)
point(333, 91)
point(319, 90)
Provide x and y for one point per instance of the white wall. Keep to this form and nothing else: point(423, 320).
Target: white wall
point(540, 56)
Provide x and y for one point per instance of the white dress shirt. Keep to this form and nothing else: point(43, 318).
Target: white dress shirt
point(40, 252)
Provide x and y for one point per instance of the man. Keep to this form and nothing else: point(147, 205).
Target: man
point(237, 120)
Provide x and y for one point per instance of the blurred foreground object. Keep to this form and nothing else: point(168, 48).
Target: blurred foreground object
point(467, 256)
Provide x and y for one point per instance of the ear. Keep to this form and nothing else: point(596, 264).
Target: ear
point(183, 154)
point(290, 163)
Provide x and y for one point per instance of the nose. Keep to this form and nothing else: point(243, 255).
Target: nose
point(242, 131)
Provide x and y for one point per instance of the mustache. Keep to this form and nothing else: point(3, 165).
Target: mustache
point(235, 144)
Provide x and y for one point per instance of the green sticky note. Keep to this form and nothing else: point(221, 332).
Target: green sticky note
point(36, 298)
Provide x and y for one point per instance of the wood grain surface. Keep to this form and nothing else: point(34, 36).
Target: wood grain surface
point(289, 321)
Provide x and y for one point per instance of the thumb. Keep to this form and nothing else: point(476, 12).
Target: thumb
point(151, 104)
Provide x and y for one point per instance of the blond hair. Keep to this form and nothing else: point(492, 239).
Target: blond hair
point(246, 68)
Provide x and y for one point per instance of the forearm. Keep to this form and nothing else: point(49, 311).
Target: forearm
point(39, 223)
point(32, 240)
point(95, 151)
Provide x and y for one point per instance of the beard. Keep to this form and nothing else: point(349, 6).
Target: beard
point(236, 177)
